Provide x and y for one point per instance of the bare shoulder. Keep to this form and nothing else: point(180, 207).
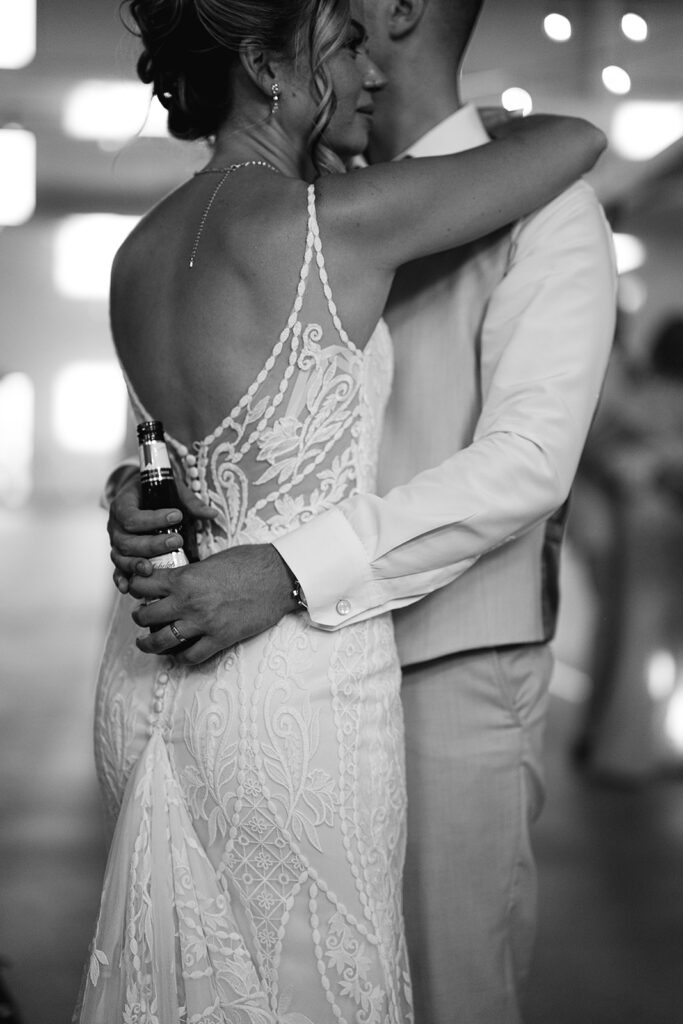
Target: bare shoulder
point(360, 214)
point(346, 200)
point(261, 202)
point(145, 240)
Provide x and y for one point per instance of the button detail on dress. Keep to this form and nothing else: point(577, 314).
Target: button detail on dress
point(343, 606)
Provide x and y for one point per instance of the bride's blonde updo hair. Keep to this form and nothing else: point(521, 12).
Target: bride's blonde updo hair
point(191, 47)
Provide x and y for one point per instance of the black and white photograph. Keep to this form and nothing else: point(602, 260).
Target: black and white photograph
point(341, 512)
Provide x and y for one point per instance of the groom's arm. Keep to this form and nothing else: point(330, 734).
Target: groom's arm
point(549, 326)
point(548, 332)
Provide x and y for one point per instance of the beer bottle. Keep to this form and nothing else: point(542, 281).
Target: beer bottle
point(157, 485)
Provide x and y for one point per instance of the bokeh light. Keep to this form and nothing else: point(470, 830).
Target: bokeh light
point(17, 176)
point(17, 33)
point(641, 129)
point(557, 27)
point(516, 99)
point(616, 79)
point(85, 245)
point(89, 407)
point(634, 27)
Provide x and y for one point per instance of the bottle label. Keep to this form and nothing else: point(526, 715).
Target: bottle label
point(171, 560)
point(154, 458)
point(155, 476)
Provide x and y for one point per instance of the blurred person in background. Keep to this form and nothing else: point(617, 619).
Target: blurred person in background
point(255, 870)
point(627, 526)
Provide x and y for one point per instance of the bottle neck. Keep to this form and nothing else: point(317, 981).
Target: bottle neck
point(157, 482)
point(155, 463)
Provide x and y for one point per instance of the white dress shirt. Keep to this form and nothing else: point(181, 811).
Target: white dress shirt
point(545, 339)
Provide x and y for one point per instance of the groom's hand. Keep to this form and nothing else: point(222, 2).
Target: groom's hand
point(215, 603)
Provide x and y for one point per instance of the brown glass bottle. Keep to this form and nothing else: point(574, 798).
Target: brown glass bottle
point(157, 485)
point(158, 490)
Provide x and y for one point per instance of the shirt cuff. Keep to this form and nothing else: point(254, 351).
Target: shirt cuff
point(329, 561)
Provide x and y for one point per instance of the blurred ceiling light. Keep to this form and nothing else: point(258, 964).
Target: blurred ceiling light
point(89, 407)
point(156, 125)
point(517, 99)
point(114, 111)
point(661, 675)
point(16, 439)
point(616, 79)
point(17, 175)
point(17, 33)
point(630, 251)
point(557, 27)
point(673, 723)
point(85, 245)
point(641, 129)
point(632, 294)
point(634, 27)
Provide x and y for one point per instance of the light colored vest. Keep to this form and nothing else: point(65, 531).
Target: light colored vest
point(436, 312)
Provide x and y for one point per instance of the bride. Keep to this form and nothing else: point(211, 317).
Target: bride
point(255, 870)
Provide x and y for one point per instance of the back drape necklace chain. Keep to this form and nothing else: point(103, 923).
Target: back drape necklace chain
point(224, 171)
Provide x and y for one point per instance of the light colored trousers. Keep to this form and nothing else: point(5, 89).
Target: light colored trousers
point(474, 733)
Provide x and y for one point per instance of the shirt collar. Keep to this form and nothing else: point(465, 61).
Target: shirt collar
point(463, 130)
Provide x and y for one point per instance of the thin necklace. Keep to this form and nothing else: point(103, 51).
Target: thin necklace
point(225, 171)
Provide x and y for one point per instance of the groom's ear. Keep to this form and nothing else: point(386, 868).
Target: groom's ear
point(404, 16)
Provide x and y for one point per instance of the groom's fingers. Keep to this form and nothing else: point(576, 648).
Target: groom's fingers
point(133, 532)
point(200, 651)
point(152, 588)
point(165, 641)
point(126, 548)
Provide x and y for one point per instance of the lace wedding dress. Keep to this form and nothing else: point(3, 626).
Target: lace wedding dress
point(255, 872)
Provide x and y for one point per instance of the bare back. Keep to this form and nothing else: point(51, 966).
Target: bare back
point(193, 340)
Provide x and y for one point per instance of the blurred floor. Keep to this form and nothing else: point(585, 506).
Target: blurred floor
point(611, 861)
point(54, 607)
point(610, 945)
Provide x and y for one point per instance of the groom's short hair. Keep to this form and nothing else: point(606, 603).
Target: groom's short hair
point(455, 21)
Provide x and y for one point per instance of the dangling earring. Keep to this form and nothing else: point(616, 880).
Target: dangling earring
point(275, 92)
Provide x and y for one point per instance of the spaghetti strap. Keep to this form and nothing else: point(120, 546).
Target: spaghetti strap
point(314, 233)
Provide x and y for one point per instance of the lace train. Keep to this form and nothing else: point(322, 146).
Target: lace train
point(166, 946)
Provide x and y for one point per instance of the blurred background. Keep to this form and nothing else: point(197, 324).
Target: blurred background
point(83, 153)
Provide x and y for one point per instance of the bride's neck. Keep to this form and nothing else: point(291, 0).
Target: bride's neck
point(266, 140)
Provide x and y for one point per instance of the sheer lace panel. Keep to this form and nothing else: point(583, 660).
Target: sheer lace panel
point(304, 434)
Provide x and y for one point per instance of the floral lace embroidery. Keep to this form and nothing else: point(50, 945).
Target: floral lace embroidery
point(255, 872)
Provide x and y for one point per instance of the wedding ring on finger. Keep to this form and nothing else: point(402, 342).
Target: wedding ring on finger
point(177, 634)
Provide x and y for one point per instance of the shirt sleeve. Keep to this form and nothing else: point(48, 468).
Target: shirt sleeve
point(122, 472)
point(546, 340)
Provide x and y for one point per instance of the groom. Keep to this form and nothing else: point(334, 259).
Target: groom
point(500, 352)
